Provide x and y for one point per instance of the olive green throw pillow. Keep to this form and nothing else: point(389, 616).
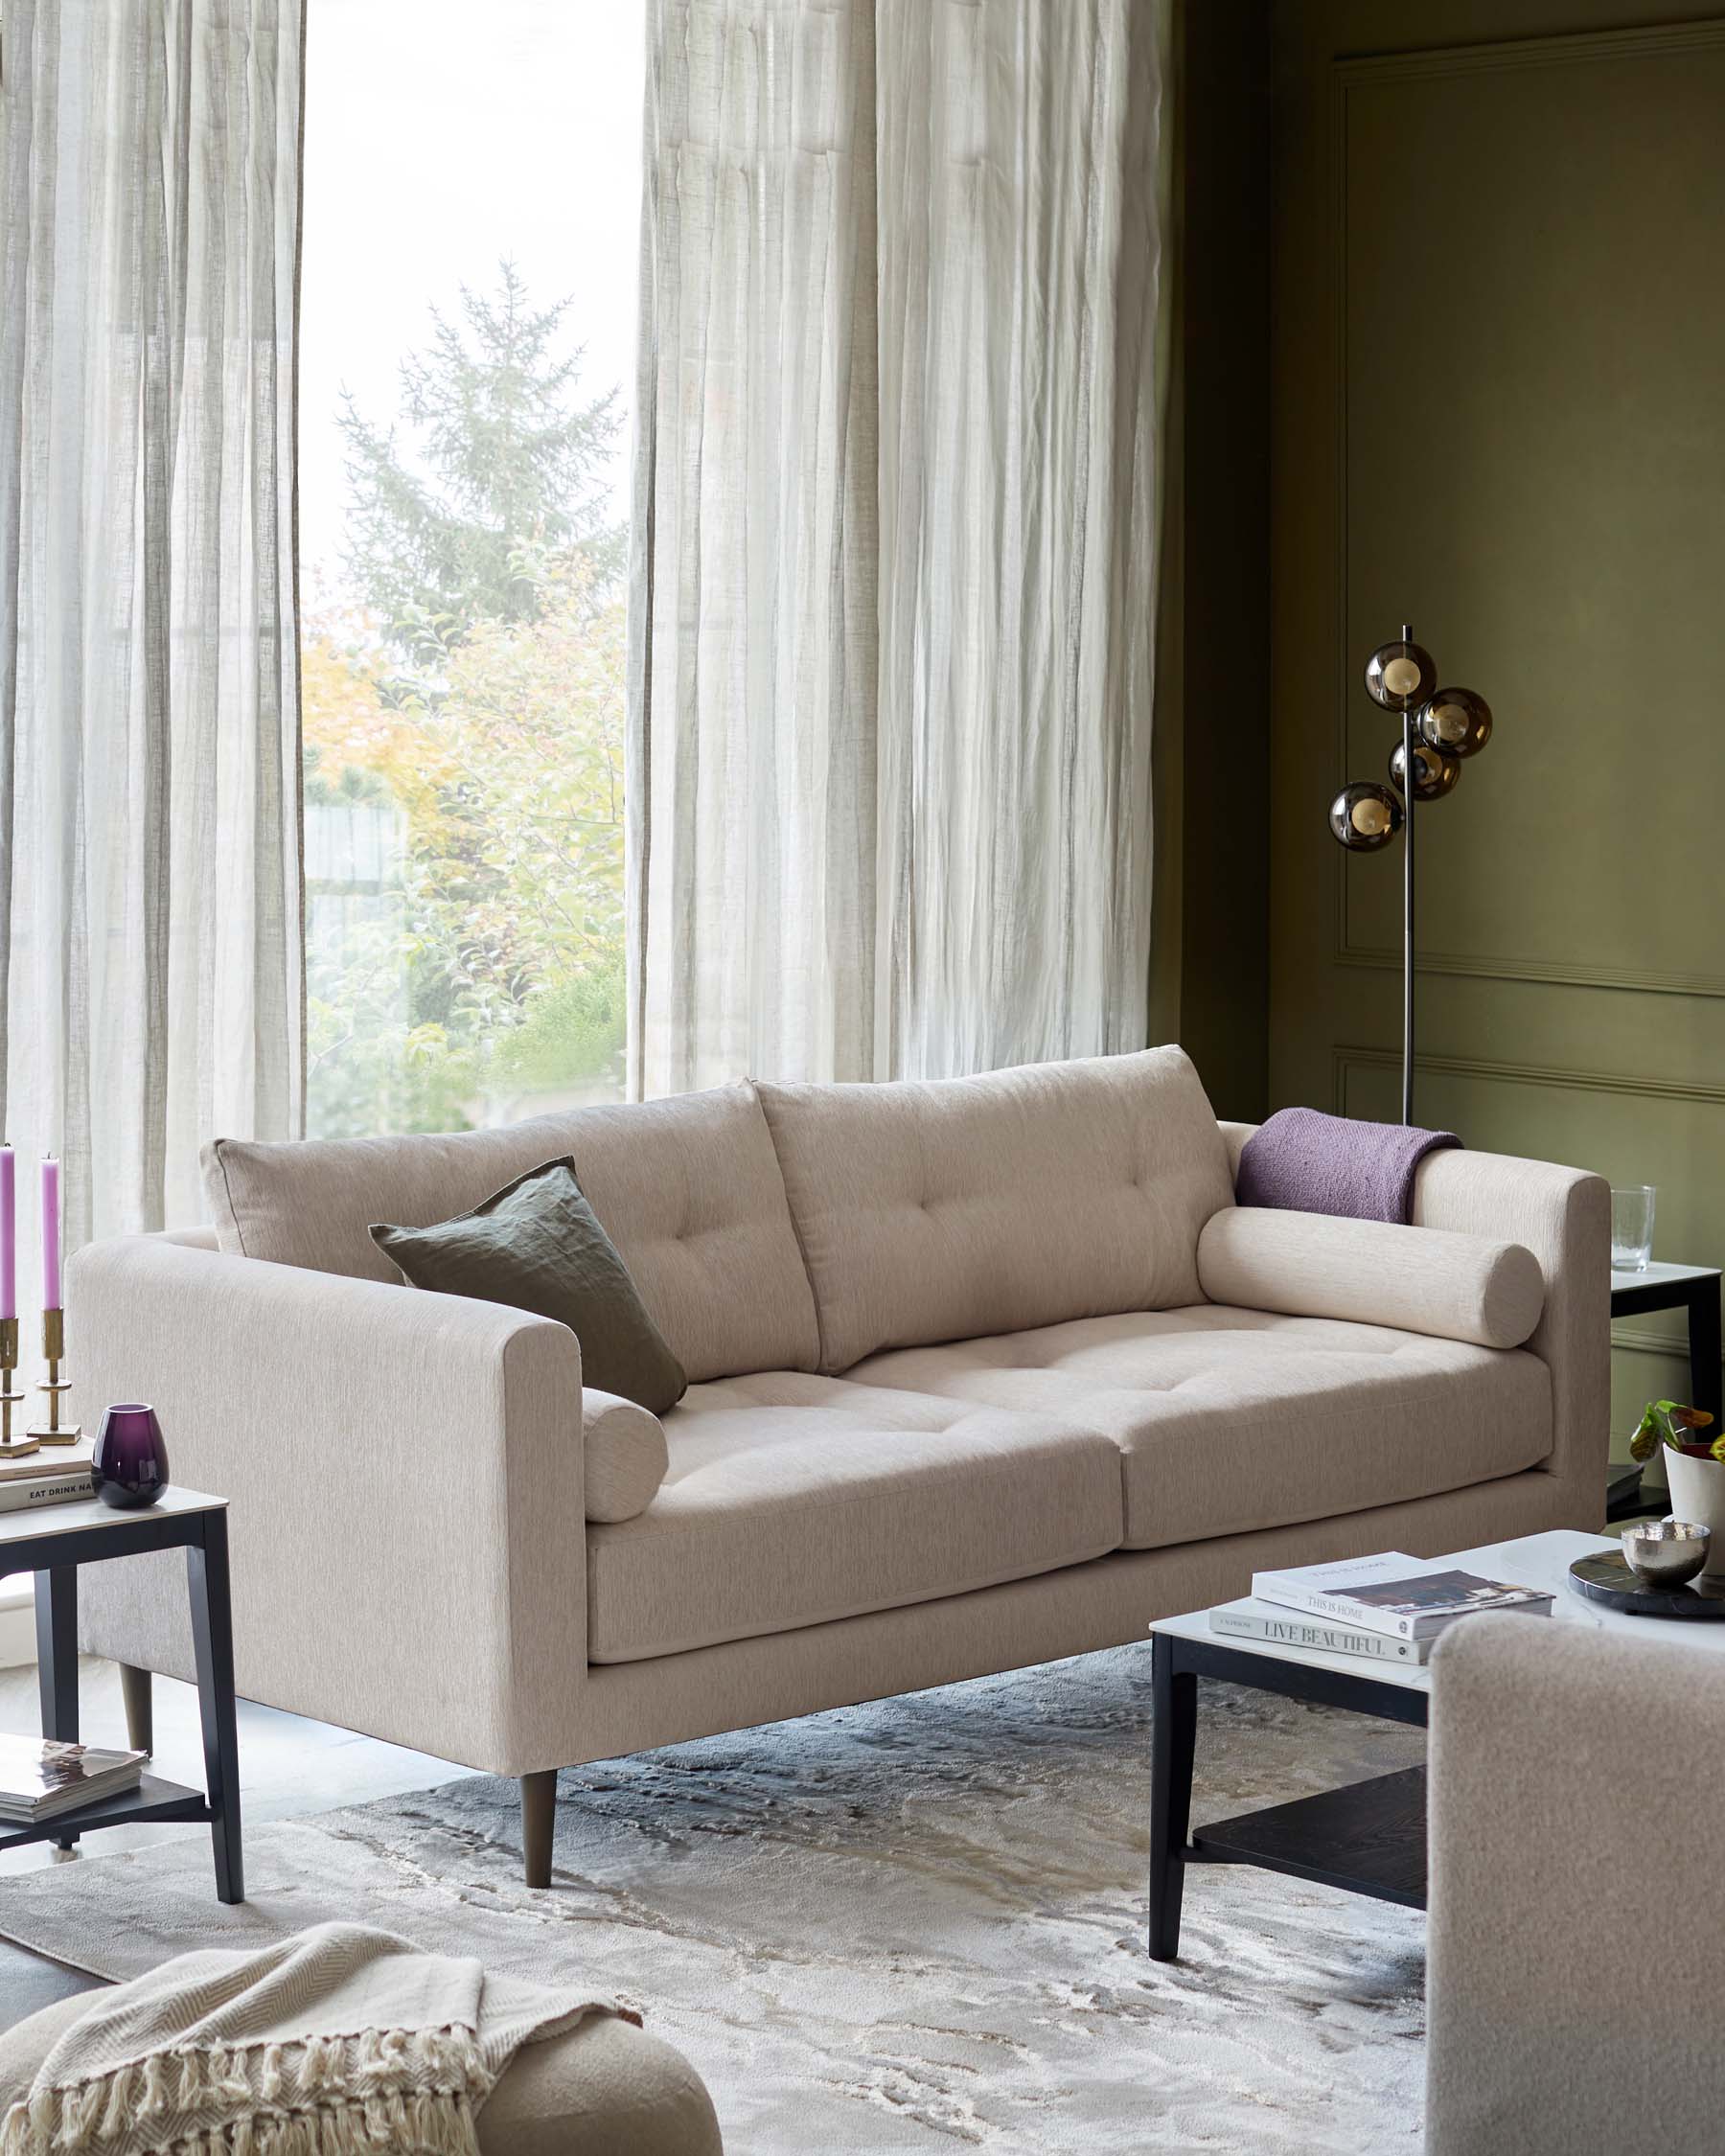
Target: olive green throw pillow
point(537, 1245)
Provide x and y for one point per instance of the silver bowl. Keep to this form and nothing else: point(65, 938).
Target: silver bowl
point(1667, 1552)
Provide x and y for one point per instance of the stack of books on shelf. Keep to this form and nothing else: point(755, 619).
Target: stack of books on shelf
point(51, 1475)
point(39, 1779)
point(1389, 1608)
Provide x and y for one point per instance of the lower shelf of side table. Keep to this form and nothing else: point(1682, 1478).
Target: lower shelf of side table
point(1368, 1838)
point(152, 1799)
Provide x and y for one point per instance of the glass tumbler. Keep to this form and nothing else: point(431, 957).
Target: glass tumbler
point(1632, 1226)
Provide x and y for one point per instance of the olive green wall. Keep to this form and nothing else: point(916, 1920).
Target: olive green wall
point(1497, 411)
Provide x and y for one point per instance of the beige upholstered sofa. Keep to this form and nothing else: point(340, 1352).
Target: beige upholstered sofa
point(984, 1372)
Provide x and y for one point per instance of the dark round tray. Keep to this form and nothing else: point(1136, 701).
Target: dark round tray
point(1608, 1579)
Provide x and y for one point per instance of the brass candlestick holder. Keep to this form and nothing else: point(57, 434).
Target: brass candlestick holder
point(11, 1446)
point(54, 1431)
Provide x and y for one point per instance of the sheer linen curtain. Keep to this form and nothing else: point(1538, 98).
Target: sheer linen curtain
point(903, 371)
point(149, 897)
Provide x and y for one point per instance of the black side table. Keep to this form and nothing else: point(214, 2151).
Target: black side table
point(1694, 1289)
point(51, 1544)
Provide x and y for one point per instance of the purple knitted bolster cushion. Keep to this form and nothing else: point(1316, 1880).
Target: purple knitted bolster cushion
point(1308, 1163)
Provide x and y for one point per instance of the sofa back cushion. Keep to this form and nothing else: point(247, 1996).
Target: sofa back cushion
point(688, 1189)
point(951, 1208)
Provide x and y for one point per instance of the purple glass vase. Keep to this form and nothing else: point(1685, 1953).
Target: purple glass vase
point(130, 1460)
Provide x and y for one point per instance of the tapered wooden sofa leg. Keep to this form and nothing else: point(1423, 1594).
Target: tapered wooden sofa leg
point(140, 1712)
point(538, 1815)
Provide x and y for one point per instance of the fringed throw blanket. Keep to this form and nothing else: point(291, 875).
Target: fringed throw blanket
point(339, 2042)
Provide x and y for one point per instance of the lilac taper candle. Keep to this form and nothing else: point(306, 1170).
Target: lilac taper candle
point(8, 1234)
point(51, 1262)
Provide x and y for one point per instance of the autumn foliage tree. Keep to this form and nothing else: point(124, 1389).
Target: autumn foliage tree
point(463, 741)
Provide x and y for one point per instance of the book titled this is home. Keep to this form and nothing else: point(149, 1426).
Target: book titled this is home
point(1407, 1597)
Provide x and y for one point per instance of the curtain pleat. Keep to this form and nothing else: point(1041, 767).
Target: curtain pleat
point(902, 377)
point(148, 721)
point(752, 795)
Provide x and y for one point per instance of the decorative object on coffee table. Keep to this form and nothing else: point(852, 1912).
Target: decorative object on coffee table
point(1667, 1552)
point(52, 1546)
point(131, 1460)
point(1693, 1461)
point(1607, 1577)
point(1438, 728)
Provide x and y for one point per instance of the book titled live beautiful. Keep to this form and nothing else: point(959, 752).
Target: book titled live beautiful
point(1411, 1599)
point(1249, 1619)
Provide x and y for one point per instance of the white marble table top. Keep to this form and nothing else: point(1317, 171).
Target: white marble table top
point(90, 1512)
point(1531, 1561)
point(1659, 1273)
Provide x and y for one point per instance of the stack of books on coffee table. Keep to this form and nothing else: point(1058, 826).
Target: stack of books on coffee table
point(51, 1475)
point(1388, 1608)
point(39, 1779)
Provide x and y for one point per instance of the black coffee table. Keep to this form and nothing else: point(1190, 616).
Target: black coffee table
point(1368, 1838)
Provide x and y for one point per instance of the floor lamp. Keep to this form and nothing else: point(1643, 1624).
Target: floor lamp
point(1438, 728)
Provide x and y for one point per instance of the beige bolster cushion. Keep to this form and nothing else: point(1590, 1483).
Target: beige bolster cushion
point(625, 1456)
point(1371, 1273)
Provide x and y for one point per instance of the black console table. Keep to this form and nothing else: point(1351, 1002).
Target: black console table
point(51, 1544)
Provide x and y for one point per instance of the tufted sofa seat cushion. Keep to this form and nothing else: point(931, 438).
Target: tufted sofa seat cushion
point(793, 1500)
point(688, 1189)
point(940, 1210)
point(1227, 1421)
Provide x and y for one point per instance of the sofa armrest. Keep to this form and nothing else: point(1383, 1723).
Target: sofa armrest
point(1563, 1216)
point(1564, 1760)
point(1371, 1273)
point(405, 1479)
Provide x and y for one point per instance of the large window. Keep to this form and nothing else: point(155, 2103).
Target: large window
point(472, 227)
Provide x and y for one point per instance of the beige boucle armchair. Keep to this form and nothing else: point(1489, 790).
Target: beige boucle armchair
point(1574, 1889)
point(983, 1371)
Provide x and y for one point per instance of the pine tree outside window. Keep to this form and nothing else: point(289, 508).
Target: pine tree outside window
point(469, 305)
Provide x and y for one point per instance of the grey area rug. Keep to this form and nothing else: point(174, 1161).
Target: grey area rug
point(914, 1925)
